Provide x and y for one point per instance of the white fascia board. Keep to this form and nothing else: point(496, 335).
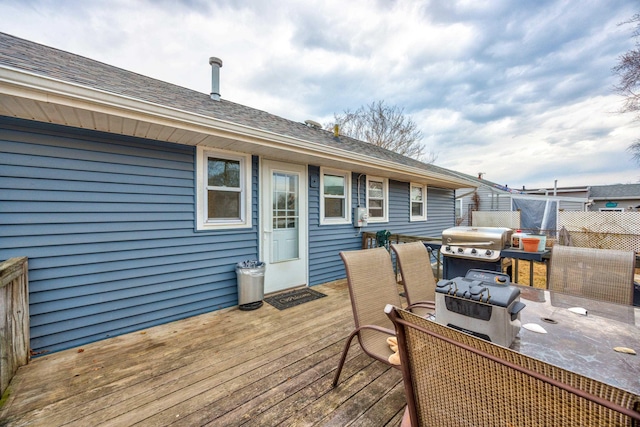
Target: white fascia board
point(35, 87)
point(543, 197)
point(613, 198)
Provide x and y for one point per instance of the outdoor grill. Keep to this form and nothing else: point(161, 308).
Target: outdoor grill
point(483, 304)
point(465, 248)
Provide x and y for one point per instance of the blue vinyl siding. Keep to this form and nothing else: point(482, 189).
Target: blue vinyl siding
point(440, 211)
point(326, 241)
point(107, 223)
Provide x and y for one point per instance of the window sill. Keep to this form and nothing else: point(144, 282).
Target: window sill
point(377, 221)
point(214, 227)
point(340, 221)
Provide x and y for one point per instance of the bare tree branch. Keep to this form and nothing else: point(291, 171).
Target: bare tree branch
point(628, 71)
point(385, 126)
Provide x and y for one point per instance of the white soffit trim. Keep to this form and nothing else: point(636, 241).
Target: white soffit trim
point(21, 84)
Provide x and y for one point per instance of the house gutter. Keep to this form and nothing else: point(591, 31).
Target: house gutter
point(552, 198)
point(47, 90)
point(616, 198)
point(461, 196)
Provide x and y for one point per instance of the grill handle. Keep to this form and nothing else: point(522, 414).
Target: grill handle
point(471, 243)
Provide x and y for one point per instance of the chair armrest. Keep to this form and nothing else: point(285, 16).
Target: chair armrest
point(422, 304)
point(376, 328)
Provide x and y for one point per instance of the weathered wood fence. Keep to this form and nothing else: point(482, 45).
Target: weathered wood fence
point(14, 318)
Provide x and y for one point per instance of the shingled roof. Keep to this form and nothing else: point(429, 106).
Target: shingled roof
point(615, 191)
point(51, 63)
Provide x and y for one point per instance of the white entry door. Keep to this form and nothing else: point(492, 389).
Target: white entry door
point(284, 224)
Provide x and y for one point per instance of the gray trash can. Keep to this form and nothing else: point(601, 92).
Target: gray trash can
point(250, 284)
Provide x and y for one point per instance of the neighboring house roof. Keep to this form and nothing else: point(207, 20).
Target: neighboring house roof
point(520, 194)
point(616, 191)
point(598, 192)
point(481, 182)
point(557, 190)
point(49, 85)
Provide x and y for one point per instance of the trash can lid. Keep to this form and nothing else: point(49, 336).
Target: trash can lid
point(250, 264)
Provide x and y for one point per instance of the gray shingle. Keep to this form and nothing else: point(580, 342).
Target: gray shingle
point(65, 66)
point(615, 191)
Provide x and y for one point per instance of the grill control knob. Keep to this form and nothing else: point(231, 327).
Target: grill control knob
point(447, 248)
point(473, 251)
point(460, 250)
point(488, 253)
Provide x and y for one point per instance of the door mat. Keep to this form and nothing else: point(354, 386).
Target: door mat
point(293, 298)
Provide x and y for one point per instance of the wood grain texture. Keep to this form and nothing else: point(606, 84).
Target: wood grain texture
point(14, 318)
point(256, 368)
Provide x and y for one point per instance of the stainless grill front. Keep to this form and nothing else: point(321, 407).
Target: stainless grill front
point(464, 248)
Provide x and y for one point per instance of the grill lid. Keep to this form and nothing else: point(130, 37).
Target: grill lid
point(496, 238)
point(482, 286)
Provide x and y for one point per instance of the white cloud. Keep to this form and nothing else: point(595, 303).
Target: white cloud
point(519, 90)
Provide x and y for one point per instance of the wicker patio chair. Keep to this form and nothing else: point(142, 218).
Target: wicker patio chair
point(417, 276)
point(372, 285)
point(600, 274)
point(452, 378)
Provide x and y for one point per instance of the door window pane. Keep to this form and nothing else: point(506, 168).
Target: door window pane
point(279, 183)
point(285, 200)
point(285, 245)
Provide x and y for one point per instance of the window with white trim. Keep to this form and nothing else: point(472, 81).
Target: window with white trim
point(418, 202)
point(224, 190)
point(458, 208)
point(378, 199)
point(335, 196)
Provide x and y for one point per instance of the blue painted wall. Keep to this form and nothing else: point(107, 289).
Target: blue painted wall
point(107, 223)
point(326, 241)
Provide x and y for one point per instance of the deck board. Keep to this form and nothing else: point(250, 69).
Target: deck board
point(264, 367)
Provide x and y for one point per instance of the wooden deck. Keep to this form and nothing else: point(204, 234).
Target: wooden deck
point(255, 368)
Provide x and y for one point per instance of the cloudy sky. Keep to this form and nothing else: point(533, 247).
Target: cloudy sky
point(521, 90)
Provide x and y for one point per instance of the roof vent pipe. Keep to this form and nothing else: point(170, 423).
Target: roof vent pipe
point(216, 64)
